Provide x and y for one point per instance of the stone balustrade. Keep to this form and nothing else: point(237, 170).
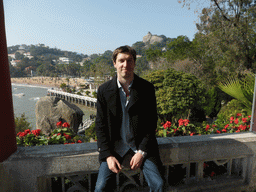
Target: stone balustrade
point(31, 168)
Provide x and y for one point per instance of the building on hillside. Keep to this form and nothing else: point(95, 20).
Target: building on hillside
point(65, 60)
point(15, 62)
point(11, 55)
point(28, 55)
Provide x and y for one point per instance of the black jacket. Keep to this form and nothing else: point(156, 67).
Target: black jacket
point(142, 113)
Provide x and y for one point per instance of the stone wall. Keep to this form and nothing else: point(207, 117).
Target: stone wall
point(30, 168)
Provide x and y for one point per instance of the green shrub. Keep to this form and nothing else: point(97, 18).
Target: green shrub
point(63, 86)
point(177, 93)
point(231, 109)
point(87, 92)
point(94, 94)
point(90, 132)
point(21, 123)
point(213, 102)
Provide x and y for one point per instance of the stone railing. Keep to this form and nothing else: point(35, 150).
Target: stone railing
point(33, 168)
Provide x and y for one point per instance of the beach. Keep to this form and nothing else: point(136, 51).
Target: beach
point(54, 82)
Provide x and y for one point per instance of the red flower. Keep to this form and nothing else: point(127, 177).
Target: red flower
point(240, 127)
point(212, 173)
point(231, 118)
point(65, 124)
point(238, 114)
point(191, 134)
point(226, 126)
point(181, 122)
point(224, 130)
point(236, 121)
point(167, 124)
point(185, 121)
point(67, 136)
point(214, 125)
point(207, 127)
point(79, 141)
point(218, 131)
point(22, 134)
point(58, 134)
point(244, 119)
point(249, 116)
point(27, 131)
point(59, 124)
point(36, 132)
point(238, 131)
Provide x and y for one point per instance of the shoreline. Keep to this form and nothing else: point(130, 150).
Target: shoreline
point(46, 82)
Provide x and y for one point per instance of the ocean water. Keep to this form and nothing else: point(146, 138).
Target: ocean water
point(25, 98)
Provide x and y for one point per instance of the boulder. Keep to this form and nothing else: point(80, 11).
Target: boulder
point(155, 39)
point(147, 38)
point(151, 39)
point(50, 110)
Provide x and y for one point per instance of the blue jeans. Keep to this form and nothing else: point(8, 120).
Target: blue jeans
point(150, 172)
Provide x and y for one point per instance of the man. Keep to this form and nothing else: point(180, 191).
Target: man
point(126, 122)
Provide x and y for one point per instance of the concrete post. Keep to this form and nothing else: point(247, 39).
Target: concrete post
point(7, 137)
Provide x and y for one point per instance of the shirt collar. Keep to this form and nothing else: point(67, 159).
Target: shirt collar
point(120, 86)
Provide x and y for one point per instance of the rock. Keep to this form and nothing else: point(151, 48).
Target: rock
point(85, 125)
point(155, 39)
point(151, 39)
point(51, 109)
point(147, 38)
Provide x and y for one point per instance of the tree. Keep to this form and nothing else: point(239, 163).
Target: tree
point(241, 89)
point(19, 56)
point(228, 26)
point(177, 93)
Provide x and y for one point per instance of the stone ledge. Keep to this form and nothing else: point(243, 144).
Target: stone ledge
point(28, 164)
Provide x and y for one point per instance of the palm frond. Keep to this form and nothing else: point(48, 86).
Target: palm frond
point(234, 88)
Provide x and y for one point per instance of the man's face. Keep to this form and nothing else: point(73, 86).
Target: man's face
point(124, 65)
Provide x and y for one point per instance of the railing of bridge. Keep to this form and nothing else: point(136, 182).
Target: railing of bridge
point(56, 92)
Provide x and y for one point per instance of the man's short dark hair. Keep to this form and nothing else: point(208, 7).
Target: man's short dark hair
point(124, 49)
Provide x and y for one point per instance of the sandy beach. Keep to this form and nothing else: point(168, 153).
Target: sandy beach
point(54, 82)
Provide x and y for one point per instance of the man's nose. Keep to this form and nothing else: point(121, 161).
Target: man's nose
point(125, 63)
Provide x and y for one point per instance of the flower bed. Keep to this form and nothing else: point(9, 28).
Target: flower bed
point(62, 135)
point(237, 123)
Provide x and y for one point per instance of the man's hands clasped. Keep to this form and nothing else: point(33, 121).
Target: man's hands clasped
point(115, 166)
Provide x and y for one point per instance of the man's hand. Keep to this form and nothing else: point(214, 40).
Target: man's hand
point(113, 164)
point(136, 161)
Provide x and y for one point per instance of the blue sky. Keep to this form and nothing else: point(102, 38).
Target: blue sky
point(94, 26)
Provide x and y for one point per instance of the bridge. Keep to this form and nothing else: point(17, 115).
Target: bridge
point(84, 100)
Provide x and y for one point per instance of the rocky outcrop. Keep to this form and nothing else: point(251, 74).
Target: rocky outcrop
point(151, 39)
point(50, 110)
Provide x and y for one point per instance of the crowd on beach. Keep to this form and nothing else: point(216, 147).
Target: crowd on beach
point(49, 81)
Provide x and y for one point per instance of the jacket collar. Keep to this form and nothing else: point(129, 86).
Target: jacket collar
point(115, 97)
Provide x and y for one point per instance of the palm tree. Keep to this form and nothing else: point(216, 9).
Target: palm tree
point(240, 89)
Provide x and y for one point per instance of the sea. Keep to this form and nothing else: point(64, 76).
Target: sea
point(25, 98)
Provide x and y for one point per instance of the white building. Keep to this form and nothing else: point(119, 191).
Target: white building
point(11, 55)
point(65, 60)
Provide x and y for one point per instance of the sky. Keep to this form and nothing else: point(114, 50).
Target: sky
point(95, 26)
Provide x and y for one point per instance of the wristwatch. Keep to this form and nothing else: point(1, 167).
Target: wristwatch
point(142, 153)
